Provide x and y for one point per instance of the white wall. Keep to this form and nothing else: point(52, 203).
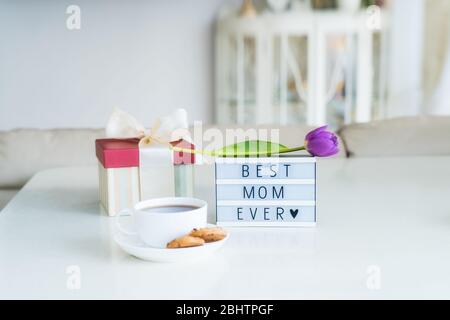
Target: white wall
point(145, 56)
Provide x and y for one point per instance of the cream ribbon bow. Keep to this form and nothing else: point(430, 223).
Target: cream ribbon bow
point(164, 130)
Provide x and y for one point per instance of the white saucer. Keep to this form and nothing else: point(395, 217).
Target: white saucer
point(135, 247)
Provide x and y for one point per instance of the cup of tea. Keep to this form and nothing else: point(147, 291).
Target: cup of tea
point(159, 221)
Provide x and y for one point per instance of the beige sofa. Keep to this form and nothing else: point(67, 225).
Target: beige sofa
point(24, 152)
point(400, 137)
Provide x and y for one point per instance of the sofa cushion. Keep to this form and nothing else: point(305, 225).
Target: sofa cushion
point(414, 136)
point(24, 152)
point(6, 195)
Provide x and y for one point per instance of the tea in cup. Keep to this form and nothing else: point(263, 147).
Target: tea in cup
point(158, 221)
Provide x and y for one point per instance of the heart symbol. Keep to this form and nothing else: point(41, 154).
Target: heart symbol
point(294, 213)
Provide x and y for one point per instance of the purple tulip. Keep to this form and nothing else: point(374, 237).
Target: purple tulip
point(321, 143)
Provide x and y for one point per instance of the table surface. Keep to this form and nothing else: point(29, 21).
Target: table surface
point(383, 232)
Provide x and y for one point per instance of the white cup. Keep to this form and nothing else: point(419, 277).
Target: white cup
point(156, 224)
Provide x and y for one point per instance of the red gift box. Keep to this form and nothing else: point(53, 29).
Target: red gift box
point(123, 153)
point(180, 157)
point(118, 153)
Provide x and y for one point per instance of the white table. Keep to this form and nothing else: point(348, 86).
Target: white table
point(384, 232)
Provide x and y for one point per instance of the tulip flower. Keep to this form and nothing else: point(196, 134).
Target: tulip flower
point(319, 143)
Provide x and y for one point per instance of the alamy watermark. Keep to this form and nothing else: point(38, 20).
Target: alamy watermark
point(73, 281)
point(73, 21)
point(211, 139)
point(373, 20)
point(373, 281)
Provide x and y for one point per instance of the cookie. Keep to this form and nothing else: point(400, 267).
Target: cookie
point(185, 242)
point(209, 234)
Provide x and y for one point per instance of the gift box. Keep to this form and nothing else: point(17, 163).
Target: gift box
point(146, 165)
point(118, 169)
point(130, 172)
point(184, 169)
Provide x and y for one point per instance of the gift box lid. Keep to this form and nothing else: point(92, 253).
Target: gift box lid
point(180, 157)
point(118, 153)
point(123, 153)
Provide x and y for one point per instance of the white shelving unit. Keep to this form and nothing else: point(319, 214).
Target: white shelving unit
point(276, 67)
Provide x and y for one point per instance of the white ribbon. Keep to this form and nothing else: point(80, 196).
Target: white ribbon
point(156, 173)
point(164, 130)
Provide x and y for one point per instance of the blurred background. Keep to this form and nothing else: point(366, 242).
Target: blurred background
point(378, 72)
point(68, 63)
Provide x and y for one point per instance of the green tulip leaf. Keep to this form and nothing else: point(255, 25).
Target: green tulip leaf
point(250, 148)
